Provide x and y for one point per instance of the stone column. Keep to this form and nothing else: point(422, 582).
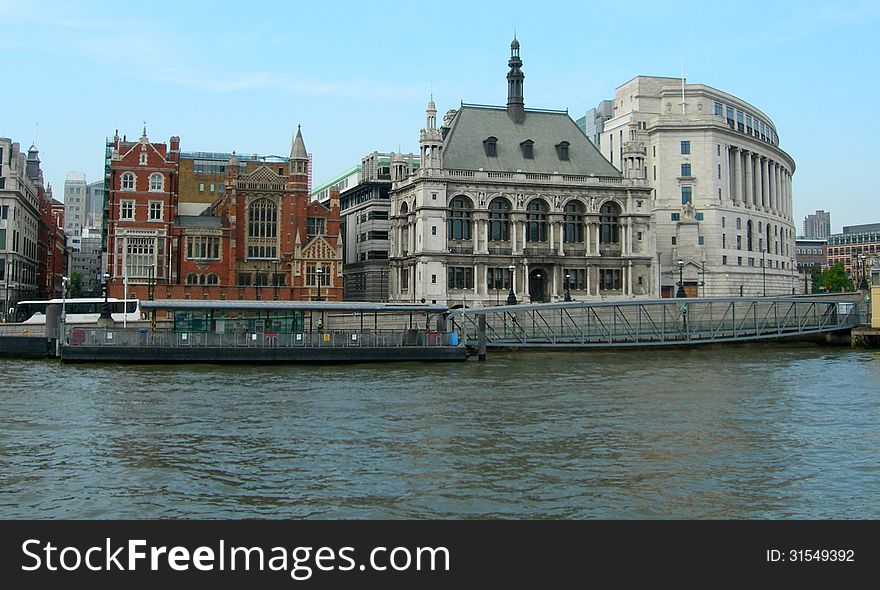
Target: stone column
point(629, 236)
point(737, 173)
point(598, 227)
point(485, 224)
point(512, 224)
point(476, 237)
point(562, 239)
point(629, 278)
point(750, 180)
point(589, 288)
point(525, 229)
point(766, 167)
point(552, 235)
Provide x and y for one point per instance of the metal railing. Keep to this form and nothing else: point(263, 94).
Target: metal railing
point(100, 337)
point(654, 322)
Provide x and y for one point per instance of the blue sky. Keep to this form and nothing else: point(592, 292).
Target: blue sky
point(357, 76)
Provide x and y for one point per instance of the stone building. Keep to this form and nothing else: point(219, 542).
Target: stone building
point(817, 225)
point(510, 187)
point(76, 201)
point(722, 184)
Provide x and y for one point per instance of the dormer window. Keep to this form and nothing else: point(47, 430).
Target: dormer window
point(562, 150)
point(490, 144)
point(143, 160)
point(528, 149)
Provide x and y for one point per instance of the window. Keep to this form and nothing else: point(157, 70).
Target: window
point(458, 225)
point(4, 211)
point(262, 229)
point(675, 217)
point(213, 279)
point(156, 182)
point(673, 240)
point(701, 240)
point(536, 221)
point(499, 220)
point(490, 145)
point(685, 148)
point(201, 187)
point(498, 278)
point(126, 210)
point(698, 216)
point(749, 235)
point(203, 247)
point(574, 279)
point(139, 257)
point(562, 150)
point(739, 260)
point(316, 226)
point(685, 169)
point(739, 242)
point(143, 159)
point(609, 220)
point(573, 227)
point(128, 181)
point(609, 279)
point(192, 279)
point(739, 121)
point(155, 210)
point(211, 188)
point(686, 195)
point(719, 109)
point(738, 223)
point(433, 230)
point(528, 149)
point(460, 277)
point(730, 116)
point(724, 240)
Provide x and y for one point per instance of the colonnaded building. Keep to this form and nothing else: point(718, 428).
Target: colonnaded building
point(723, 193)
point(502, 188)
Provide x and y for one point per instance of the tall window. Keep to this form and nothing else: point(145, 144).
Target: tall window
point(156, 182)
point(139, 256)
point(536, 220)
point(316, 226)
point(126, 210)
point(610, 279)
point(155, 210)
point(685, 148)
point(458, 226)
point(499, 220)
point(687, 195)
point(749, 235)
point(609, 220)
point(528, 149)
point(203, 247)
point(262, 229)
point(562, 150)
point(490, 145)
point(574, 279)
point(498, 278)
point(128, 181)
point(573, 228)
point(685, 169)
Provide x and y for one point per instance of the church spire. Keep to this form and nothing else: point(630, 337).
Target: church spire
point(515, 103)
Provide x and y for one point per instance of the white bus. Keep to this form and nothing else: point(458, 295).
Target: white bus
point(84, 310)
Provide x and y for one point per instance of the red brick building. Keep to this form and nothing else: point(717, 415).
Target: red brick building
point(262, 238)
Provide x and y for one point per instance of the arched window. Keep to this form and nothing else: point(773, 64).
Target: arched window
point(490, 145)
point(573, 229)
point(499, 220)
point(192, 279)
point(768, 236)
point(404, 209)
point(609, 220)
point(749, 235)
point(536, 218)
point(458, 226)
point(156, 182)
point(213, 279)
point(262, 229)
point(128, 181)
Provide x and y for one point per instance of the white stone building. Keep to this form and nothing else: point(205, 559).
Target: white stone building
point(723, 198)
point(510, 187)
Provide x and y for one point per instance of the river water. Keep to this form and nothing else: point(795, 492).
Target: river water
point(735, 432)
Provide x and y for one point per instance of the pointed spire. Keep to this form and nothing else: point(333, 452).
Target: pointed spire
point(515, 101)
point(298, 146)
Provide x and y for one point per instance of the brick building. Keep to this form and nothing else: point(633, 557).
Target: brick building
point(212, 229)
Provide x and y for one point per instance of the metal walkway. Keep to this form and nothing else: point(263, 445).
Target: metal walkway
point(656, 322)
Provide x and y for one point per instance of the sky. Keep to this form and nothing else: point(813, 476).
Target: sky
point(238, 76)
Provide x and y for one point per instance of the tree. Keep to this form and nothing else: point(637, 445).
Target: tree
point(836, 280)
point(816, 278)
point(76, 282)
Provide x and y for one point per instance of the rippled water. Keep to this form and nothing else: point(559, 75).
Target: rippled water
point(763, 432)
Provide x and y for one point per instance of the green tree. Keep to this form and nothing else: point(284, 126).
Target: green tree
point(76, 282)
point(816, 278)
point(836, 280)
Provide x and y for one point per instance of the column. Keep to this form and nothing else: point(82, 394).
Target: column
point(750, 180)
point(777, 178)
point(476, 236)
point(765, 169)
point(588, 271)
point(737, 173)
point(586, 239)
point(598, 231)
point(629, 236)
point(561, 240)
point(552, 235)
point(731, 191)
point(485, 224)
point(525, 229)
point(512, 237)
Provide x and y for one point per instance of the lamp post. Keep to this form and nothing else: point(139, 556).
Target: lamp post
point(567, 287)
point(764, 272)
point(318, 273)
point(863, 284)
point(511, 298)
point(538, 278)
point(680, 292)
point(105, 307)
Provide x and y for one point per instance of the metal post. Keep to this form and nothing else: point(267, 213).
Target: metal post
point(764, 272)
point(481, 341)
point(511, 298)
point(680, 292)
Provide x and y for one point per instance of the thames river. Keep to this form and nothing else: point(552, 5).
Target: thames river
point(737, 432)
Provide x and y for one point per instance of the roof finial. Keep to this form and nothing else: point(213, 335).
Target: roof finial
point(145, 129)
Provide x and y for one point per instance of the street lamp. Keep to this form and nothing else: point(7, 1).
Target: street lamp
point(318, 273)
point(511, 298)
point(105, 307)
point(863, 284)
point(680, 292)
point(567, 287)
point(540, 285)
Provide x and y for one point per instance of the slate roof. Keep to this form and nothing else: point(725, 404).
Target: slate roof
point(464, 149)
point(199, 222)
